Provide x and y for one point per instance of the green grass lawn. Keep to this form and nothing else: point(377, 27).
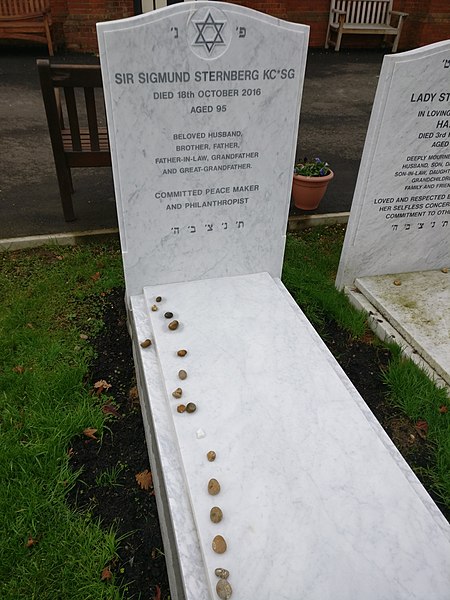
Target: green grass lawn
point(49, 309)
point(48, 300)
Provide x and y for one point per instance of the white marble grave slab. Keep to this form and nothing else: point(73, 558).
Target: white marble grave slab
point(400, 215)
point(419, 309)
point(181, 545)
point(203, 101)
point(317, 501)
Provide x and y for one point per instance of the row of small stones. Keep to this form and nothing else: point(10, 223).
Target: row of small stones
point(219, 545)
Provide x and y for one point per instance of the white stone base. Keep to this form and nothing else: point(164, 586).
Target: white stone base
point(417, 306)
point(317, 501)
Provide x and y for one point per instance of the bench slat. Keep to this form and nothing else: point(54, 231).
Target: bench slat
point(85, 140)
point(23, 7)
point(360, 28)
point(89, 97)
point(72, 113)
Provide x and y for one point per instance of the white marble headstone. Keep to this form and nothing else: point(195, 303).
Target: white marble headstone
point(203, 101)
point(400, 216)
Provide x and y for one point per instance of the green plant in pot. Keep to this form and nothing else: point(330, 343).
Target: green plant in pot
point(311, 179)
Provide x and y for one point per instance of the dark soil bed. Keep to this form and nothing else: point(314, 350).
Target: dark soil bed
point(117, 499)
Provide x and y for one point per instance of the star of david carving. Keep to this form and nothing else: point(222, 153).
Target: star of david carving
point(209, 33)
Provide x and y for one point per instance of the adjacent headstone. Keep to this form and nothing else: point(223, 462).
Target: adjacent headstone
point(400, 216)
point(203, 102)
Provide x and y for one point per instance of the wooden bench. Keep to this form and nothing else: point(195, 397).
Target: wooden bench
point(83, 142)
point(374, 17)
point(26, 20)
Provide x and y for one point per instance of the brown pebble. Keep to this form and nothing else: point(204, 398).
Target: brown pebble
point(177, 393)
point(216, 514)
point(173, 325)
point(190, 407)
point(219, 544)
point(154, 308)
point(222, 573)
point(211, 456)
point(444, 270)
point(213, 487)
point(182, 352)
point(168, 315)
point(223, 589)
point(397, 282)
point(146, 343)
point(182, 374)
point(158, 298)
point(181, 408)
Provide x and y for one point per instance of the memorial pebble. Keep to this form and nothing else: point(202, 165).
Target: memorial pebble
point(222, 573)
point(219, 544)
point(216, 514)
point(223, 589)
point(213, 487)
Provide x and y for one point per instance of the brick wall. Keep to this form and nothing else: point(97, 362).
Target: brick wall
point(428, 21)
point(75, 20)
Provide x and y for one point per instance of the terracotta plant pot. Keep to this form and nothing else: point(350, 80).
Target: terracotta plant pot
point(309, 191)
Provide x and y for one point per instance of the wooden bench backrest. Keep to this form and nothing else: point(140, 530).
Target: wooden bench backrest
point(362, 11)
point(80, 109)
point(21, 8)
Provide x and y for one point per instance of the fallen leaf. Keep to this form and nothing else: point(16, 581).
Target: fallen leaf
point(101, 383)
point(30, 542)
point(443, 409)
point(133, 396)
point(101, 386)
point(157, 595)
point(19, 369)
point(83, 336)
point(90, 432)
point(30, 325)
point(110, 409)
point(95, 276)
point(106, 574)
point(144, 479)
point(422, 429)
